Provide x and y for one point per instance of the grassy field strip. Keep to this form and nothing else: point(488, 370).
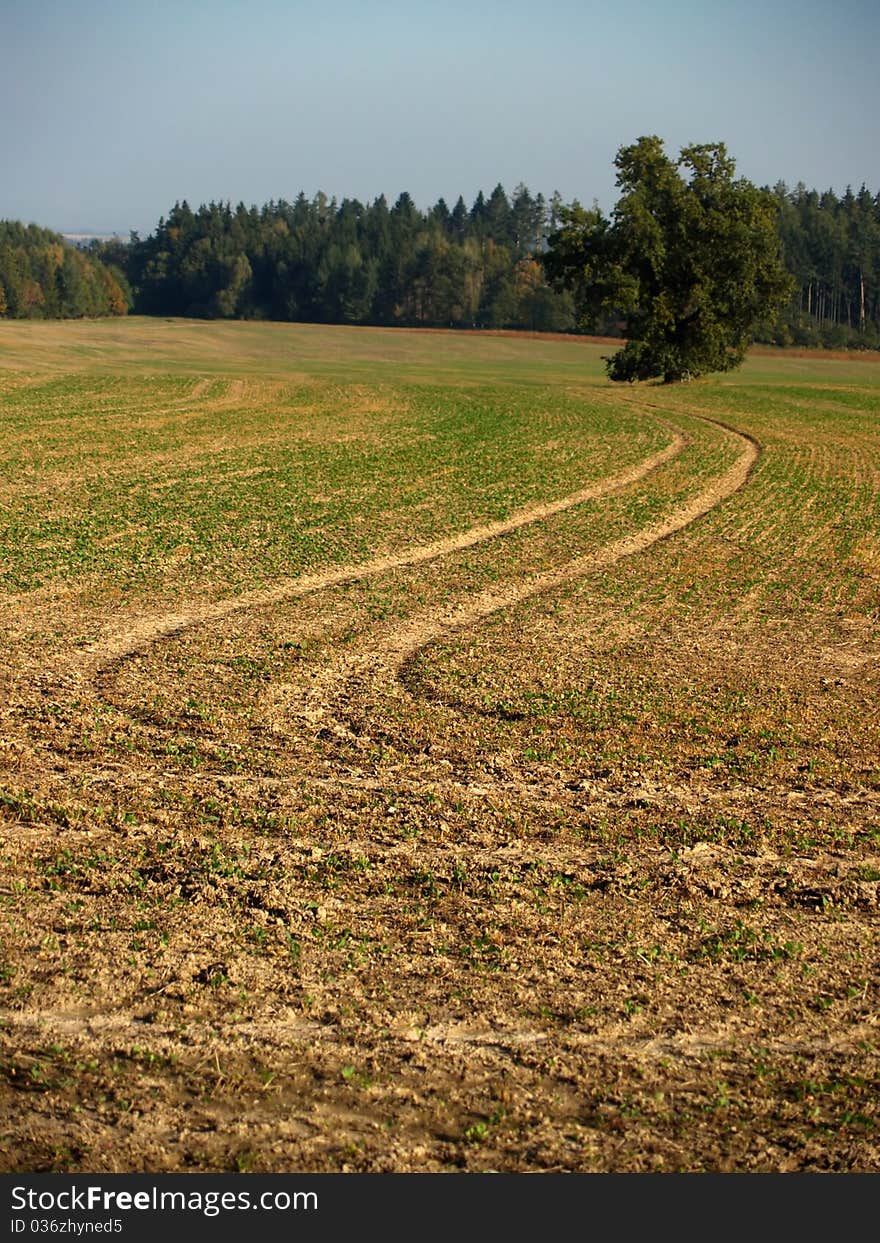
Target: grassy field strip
point(813, 529)
point(665, 686)
point(117, 647)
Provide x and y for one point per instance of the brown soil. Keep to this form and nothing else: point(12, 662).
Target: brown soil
point(521, 334)
point(791, 351)
point(295, 881)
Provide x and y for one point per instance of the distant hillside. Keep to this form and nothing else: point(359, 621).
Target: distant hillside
point(322, 261)
point(44, 277)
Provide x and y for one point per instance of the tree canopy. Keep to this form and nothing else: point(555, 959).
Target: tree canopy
point(690, 259)
point(325, 261)
point(42, 277)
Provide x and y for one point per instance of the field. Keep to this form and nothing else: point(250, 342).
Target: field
point(419, 754)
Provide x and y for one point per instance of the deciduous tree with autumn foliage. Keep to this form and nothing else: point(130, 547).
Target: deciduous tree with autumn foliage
point(43, 277)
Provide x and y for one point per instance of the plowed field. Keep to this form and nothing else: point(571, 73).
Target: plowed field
point(419, 754)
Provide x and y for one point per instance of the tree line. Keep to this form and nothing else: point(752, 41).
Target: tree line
point(320, 260)
point(43, 277)
point(831, 247)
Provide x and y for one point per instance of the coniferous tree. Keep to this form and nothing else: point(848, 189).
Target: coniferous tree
point(458, 221)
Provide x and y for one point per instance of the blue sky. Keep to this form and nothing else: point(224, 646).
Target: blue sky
point(113, 110)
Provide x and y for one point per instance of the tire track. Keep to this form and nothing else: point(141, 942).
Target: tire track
point(110, 1030)
point(381, 660)
point(102, 658)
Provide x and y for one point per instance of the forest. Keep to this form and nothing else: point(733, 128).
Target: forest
point(43, 277)
point(320, 260)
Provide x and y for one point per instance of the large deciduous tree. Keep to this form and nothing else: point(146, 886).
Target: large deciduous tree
point(690, 260)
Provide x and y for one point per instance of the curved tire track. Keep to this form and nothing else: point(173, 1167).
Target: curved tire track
point(381, 662)
point(101, 658)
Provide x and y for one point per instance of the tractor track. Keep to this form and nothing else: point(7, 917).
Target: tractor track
point(100, 659)
point(381, 662)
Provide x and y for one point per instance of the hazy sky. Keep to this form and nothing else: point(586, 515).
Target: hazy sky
point(113, 110)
